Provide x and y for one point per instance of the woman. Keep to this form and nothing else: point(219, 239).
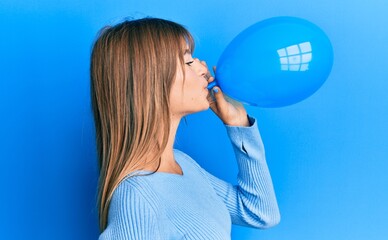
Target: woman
point(143, 81)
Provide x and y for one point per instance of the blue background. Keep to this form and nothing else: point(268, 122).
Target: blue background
point(327, 154)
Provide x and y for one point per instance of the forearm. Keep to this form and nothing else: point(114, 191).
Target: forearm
point(255, 195)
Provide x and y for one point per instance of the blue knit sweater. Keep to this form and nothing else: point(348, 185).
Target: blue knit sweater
point(196, 205)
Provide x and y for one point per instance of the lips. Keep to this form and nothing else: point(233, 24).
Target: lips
point(206, 91)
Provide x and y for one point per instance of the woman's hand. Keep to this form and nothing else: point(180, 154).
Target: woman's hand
point(230, 111)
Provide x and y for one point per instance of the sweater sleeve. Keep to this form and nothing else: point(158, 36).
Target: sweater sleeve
point(252, 202)
point(130, 216)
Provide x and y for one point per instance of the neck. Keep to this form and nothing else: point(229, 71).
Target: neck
point(168, 163)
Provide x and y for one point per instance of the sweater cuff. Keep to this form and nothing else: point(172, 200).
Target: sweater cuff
point(246, 138)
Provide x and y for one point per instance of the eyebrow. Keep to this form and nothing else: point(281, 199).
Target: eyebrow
point(187, 51)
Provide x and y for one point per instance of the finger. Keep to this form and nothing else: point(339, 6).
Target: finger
point(220, 99)
point(213, 104)
point(211, 99)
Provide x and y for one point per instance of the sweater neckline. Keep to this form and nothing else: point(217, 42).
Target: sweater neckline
point(179, 162)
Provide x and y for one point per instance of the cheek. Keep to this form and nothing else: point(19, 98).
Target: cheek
point(178, 75)
point(191, 80)
point(186, 90)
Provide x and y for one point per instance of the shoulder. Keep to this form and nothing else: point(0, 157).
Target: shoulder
point(132, 215)
point(134, 194)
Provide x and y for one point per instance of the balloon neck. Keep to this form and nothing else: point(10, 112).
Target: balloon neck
point(212, 84)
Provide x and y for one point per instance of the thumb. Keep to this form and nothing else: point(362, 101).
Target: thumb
point(219, 97)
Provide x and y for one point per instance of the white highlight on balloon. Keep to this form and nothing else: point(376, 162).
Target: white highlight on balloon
point(296, 57)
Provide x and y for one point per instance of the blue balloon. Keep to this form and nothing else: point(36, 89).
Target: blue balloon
point(276, 62)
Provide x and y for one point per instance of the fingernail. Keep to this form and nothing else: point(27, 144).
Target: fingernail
point(215, 90)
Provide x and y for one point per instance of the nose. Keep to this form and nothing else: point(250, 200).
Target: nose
point(202, 68)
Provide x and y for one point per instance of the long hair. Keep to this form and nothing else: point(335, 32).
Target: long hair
point(133, 66)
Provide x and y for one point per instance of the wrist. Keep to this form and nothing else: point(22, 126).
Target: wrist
point(240, 122)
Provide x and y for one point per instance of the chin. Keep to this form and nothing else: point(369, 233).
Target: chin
point(199, 109)
point(206, 106)
point(203, 108)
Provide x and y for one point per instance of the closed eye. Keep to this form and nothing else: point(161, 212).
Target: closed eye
point(189, 63)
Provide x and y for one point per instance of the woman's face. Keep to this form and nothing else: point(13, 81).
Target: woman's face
point(189, 95)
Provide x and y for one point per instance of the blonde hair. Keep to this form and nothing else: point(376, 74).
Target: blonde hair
point(133, 66)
